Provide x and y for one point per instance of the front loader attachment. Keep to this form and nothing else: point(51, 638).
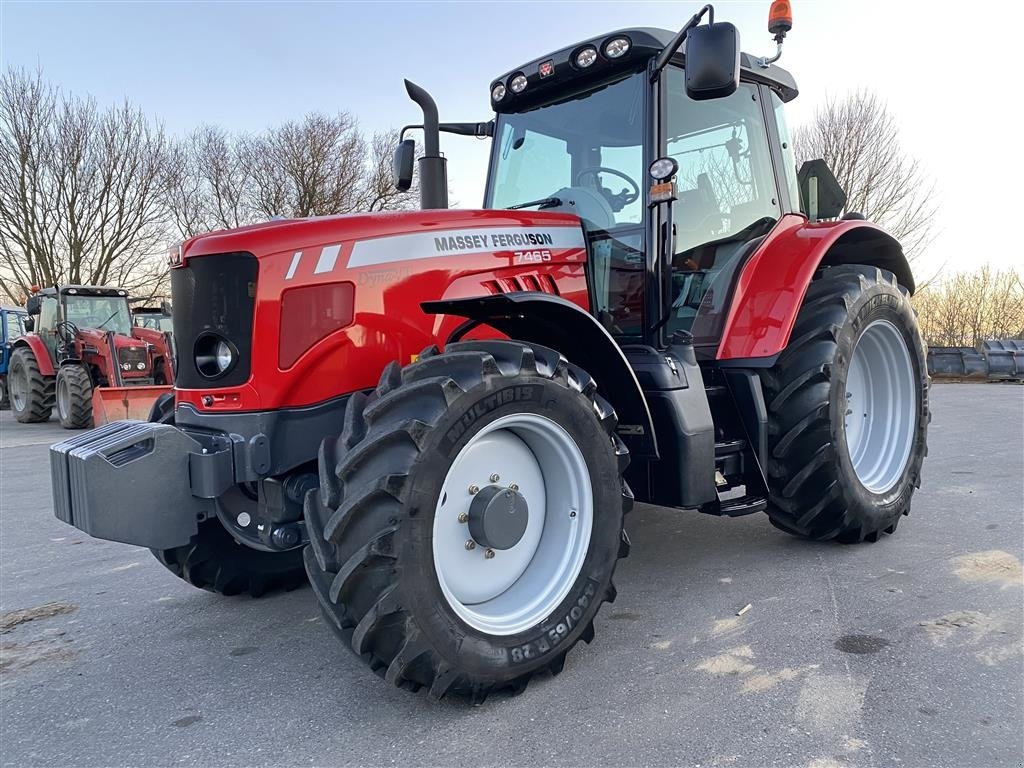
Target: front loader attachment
point(118, 403)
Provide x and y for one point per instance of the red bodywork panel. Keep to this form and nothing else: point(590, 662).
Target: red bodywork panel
point(772, 285)
point(394, 261)
point(39, 351)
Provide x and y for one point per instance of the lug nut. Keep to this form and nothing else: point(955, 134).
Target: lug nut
point(488, 553)
point(474, 490)
point(495, 478)
point(470, 544)
point(463, 518)
point(513, 487)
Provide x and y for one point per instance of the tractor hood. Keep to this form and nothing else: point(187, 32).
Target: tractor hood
point(299, 235)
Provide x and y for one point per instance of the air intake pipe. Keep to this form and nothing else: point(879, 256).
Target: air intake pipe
point(433, 167)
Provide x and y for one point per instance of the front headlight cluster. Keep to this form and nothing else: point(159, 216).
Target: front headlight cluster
point(215, 355)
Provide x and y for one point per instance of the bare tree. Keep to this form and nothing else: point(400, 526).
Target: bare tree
point(80, 191)
point(857, 136)
point(318, 166)
point(207, 184)
point(969, 307)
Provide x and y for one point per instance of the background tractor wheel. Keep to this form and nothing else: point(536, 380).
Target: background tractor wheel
point(214, 561)
point(847, 410)
point(32, 393)
point(74, 397)
point(5, 401)
point(469, 518)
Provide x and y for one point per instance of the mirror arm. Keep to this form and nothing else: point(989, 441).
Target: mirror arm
point(670, 50)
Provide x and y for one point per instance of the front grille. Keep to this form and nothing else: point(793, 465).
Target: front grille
point(132, 356)
point(214, 294)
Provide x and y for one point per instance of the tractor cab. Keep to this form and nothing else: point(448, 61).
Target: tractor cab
point(63, 316)
point(578, 131)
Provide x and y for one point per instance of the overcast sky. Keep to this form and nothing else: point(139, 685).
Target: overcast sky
point(248, 65)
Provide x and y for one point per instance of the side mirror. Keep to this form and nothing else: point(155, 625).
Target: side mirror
point(405, 158)
point(33, 305)
point(712, 61)
point(29, 324)
point(821, 196)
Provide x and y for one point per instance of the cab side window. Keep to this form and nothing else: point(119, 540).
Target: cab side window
point(47, 314)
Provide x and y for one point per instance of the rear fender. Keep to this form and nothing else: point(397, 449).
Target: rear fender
point(559, 324)
point(41, 353)
point(772, 284)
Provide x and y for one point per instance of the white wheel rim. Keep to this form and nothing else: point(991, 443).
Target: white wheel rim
point(516, 588)
point(881, 406)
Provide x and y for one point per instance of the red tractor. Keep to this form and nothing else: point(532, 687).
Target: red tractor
point(83, 355)
point(442, 417)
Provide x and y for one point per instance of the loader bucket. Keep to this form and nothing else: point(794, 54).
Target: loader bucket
point(117, 403)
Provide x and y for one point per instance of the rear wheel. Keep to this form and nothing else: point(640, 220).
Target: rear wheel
point(214, 561)
point(74, 397)
point(848, 410)
point(32, 395)
point(469, 518)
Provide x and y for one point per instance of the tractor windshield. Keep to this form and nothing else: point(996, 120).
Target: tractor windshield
point(585, 155)
point(106, 313)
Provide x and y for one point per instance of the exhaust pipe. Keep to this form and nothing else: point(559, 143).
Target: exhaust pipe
point(433, 167)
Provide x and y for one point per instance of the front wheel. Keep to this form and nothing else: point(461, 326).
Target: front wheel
point(74, 397)
point(847, 410)
point(469, 518)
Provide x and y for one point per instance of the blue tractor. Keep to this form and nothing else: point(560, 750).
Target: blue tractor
point(12, 325)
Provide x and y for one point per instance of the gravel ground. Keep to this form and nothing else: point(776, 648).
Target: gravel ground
point(905, 652)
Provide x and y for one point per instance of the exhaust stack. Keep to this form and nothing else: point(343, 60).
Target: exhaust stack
point(433, 167)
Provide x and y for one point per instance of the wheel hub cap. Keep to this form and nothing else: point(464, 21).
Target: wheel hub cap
point(881, 406)
point(507, 551)
point(498, 517)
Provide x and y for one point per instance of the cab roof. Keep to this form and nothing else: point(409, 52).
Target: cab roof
point(645, 42)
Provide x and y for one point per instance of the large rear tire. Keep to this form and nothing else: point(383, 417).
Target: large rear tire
point(74, 397)
point(32, 394)
point(409, 555)
point(847, 410)
point(214, 561)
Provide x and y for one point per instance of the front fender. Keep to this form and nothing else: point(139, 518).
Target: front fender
point(39, 350)
point(771, 287)
point(559, 324)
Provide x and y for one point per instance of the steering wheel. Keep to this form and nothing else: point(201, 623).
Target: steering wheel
point(617, 201)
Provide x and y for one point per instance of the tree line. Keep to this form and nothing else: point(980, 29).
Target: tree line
point(96, 195)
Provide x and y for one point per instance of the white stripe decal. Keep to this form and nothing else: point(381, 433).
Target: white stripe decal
point(328, 256)
point(456, 242)
point(294, 265)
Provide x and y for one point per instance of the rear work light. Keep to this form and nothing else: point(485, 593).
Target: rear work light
point(498, 93)
point(617, 47)
point(518, 83)
point(311, 313)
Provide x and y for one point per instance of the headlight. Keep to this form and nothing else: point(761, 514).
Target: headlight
point(518, 84)
point(223, 356)
point(498, 93)
point(140, 366)
point(616, 47)
point(215, 355)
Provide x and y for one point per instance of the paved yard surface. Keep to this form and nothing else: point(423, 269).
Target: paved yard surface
point(905, 652)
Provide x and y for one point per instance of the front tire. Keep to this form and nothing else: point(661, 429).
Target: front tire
point(847, 410)
point(74, 397)
point(32, 395)
point(399, 553)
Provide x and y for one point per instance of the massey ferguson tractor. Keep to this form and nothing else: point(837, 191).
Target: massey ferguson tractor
point(83, 355)
point(441, 417)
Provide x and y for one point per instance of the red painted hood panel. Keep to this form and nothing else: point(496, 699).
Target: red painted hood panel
point(296, 234)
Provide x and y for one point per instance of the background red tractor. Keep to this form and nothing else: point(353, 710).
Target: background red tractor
point(445, 415)
point(83, 355)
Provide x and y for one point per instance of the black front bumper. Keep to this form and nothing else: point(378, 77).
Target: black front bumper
point(150, 484)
